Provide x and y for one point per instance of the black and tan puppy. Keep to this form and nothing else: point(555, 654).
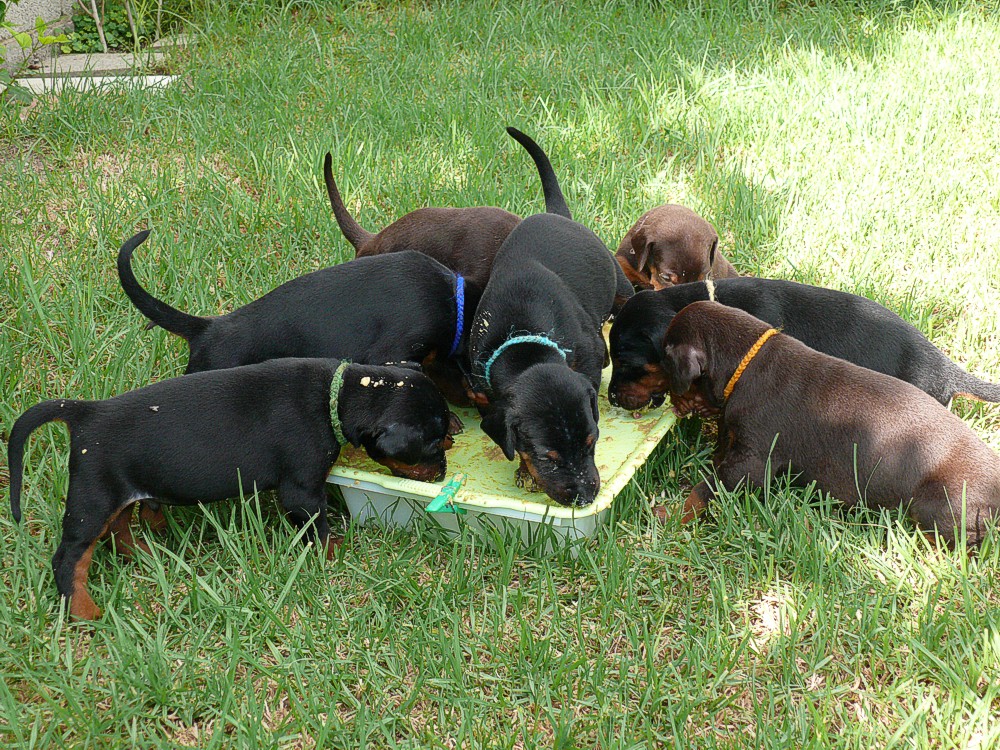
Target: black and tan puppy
point(214, 435)
point(536, 347)
point(671, 245)
point(399, 307)
point(465, 240)
point(836, 323)
point(862, 436)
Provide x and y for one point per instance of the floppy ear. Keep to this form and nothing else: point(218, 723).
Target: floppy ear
point(643, 260)
point(641, 250)
point(683, 364)
point(396, 438)
point(497, 426)
point(593, 405)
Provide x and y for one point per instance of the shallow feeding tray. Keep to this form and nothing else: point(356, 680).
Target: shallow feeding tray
point(488, 499)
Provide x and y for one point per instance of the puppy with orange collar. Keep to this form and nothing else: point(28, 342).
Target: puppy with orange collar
point(861, 436)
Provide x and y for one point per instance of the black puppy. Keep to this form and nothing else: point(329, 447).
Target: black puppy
point(536, 347)
point(842, 325)
point(212, 435)
point(388, 308)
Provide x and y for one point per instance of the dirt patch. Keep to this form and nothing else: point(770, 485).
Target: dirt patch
point(12, 151)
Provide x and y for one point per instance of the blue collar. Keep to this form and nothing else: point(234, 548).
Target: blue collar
point(536, 339)
point(459, 314)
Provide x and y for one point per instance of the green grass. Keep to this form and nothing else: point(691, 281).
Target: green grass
point(851, 144)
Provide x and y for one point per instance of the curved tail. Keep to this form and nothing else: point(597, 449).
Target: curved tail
point(160, 313)
point(33, 418)
point(555, 203)
point(354, 232)
point(970, 385)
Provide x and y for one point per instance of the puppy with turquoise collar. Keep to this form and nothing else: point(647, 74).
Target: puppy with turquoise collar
point(536, 349)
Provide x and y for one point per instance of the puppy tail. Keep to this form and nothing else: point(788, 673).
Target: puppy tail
point(35, 417)
point(973, 387)
point(354, 232)
point(555, 203)
point(159, 313)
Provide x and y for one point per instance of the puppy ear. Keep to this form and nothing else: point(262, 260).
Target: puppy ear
point(641, 250)
point(683, 364)
point(593, 405)
point(642, 263)
point(497, 426)
point(396, 438)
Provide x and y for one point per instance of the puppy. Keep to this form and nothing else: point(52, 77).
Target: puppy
point(536, 348)
point(404, 306)
point(671, 245)
point(862, 436)
point(214, 435)
point(465, 240)
point(837, 323)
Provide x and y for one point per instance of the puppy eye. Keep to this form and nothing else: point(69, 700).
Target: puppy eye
point(673, 278)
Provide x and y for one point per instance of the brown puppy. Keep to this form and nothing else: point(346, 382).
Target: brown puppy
point(463, 239)
point(671, 245)
point(862, 436)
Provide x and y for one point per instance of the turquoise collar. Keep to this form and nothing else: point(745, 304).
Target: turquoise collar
point(531, 339)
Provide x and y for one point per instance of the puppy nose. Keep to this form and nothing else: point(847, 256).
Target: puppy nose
point(587, 490)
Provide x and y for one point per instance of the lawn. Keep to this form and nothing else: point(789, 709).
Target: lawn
point(850, 144)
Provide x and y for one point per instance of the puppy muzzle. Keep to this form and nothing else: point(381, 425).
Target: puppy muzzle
point(418, 472)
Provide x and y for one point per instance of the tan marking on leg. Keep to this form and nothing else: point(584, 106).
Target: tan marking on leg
point(153, 518)
point(695, 505)
point(120, 531)
point(332, 543)
point(81, 606)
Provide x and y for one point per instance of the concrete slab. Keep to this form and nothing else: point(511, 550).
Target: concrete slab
point(169, 42)
point(91, 82)
point(24, 13)
point(100, 63)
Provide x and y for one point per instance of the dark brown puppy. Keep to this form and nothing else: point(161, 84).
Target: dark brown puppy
point(862, 436)
point(219, 434)
point(464, 239)
point(671, 245)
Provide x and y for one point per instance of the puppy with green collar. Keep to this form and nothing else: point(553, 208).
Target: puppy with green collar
point(208, 436)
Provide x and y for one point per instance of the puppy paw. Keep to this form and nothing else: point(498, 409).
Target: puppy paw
point(332, 543)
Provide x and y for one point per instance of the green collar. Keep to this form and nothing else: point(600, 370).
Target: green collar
point(336, 386)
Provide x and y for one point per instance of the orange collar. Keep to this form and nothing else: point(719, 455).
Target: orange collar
point(747, 359)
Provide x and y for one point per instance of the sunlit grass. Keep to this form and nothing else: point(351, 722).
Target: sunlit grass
point(849, 144)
